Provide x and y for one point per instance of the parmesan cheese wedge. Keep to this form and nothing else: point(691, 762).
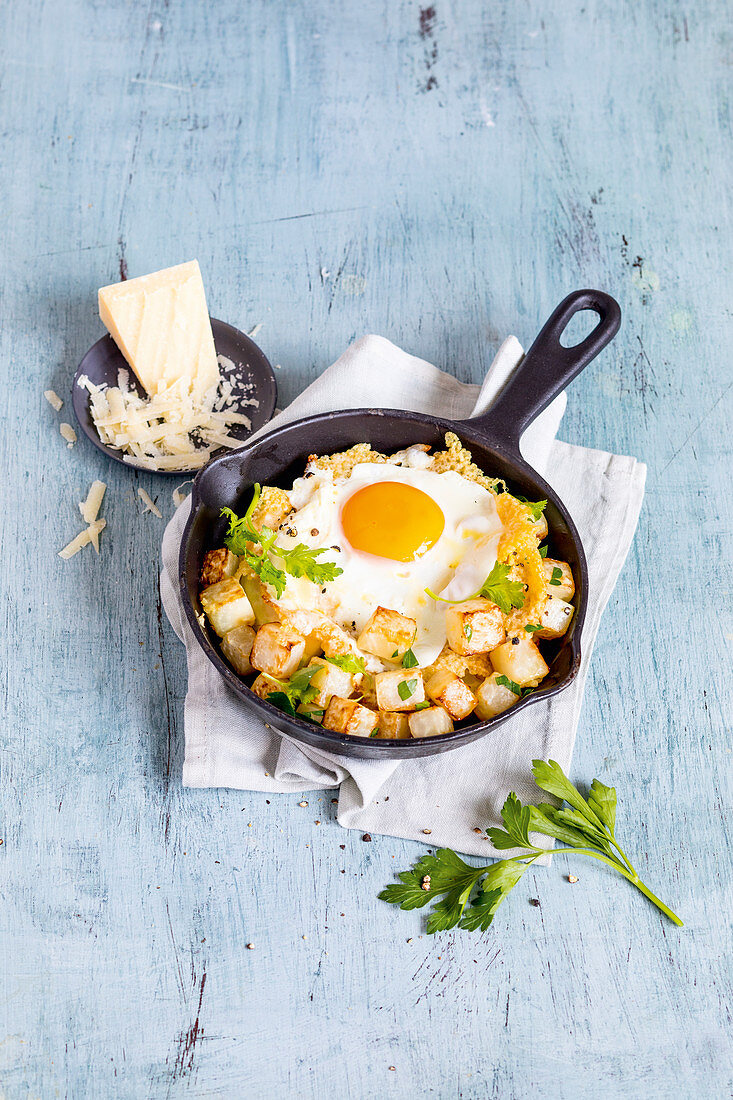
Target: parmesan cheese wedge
point(160, 323)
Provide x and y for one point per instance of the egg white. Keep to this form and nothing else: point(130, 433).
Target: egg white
point(456, 565)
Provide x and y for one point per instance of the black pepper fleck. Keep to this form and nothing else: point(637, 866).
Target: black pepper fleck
point(515, 641)
point(535, 902)
point(367, 836)
point(314, 532)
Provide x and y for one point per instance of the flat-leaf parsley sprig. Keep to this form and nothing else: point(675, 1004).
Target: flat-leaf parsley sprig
point(470, 896)
point(497, 588)
point(257, 546)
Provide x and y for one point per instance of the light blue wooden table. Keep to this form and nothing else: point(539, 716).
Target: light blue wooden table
point(443, 178)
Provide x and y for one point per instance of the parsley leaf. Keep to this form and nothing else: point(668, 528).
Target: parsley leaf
point(424, 705)
point(501, 591)
point(556, 577)
point(289, 694)
point(256, 546)
point(347, 662)
point(406, 688)
point(504, 681)
point(470, 896)
point(543, 551)
point(532, 628)
point(467, 631)
point(536, 508)
point(409, 660)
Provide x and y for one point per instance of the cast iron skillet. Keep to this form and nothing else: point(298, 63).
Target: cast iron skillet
point(493, 439)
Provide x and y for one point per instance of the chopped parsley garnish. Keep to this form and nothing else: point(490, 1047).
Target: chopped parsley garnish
point(499, 590)
point(423, 706)
point(543, 551)
point(406, 688)
point(289, 694)
point(507, 683)
point(409, 660)
point(467, 631)
point(347, 662)
point(257, 546)
point(536, 508)
point(556, 577)
point(532, 628)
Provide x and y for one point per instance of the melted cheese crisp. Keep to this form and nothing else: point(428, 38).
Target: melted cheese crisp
point(160, 323)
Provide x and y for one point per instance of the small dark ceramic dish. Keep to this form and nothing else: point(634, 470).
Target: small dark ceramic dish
point(493, 439)
point(253, 379)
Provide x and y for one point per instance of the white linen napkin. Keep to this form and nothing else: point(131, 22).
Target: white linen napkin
point(453, 793)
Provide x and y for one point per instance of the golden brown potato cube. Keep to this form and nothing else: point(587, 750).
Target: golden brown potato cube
point(520, 660)
point(226, 606)
point(401, 690)
point(328, 681)
point(387, 634)
point(474, 626)
point(430, 722)
point(450, 692)
point(265, 608)
point(554, 619)
point(393, 726)
point(277, 650)
point(262, 687)
point(349, 716)
point(218, 564)
point(236, 646)
point(493, 698)
point(559, 578)
point(312, 649)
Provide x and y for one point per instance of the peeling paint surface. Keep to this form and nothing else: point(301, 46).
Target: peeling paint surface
point(441, 174)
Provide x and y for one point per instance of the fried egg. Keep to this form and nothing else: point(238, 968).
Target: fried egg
point(394, 531)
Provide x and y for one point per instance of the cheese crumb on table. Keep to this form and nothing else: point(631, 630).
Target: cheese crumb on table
point(89, 508)
point(53, 399)
point(150, 505)
point(68, 434)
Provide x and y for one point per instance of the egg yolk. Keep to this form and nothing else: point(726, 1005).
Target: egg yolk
point(392, 520)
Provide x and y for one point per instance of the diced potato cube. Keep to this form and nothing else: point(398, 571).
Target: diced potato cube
point(328, 681)
point(311, 711)
point(277, 650)
point(554, 619)
point(474, 626)
point(226, 606)
point(450, 692)
point(387, 634)
point(393, 726)
point(401, 690)
point(262, 687)
point(312, 648)
point(218, 564)
point(563, 585)
point(521, 661)
point(493, 698)
point(266, 609)
point(349, 716)
point(236, 646)
point(430, 722)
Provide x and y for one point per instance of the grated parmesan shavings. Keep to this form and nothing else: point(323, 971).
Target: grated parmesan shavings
point(89, 508)
point(89, 534)
point(168, 431)
point(150, 505)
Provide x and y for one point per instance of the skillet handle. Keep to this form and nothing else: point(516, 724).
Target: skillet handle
point(548, 367)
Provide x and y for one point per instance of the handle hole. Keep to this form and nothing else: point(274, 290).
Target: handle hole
point(580, 325)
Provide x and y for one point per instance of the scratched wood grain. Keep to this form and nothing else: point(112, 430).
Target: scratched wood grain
point(442, 176)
